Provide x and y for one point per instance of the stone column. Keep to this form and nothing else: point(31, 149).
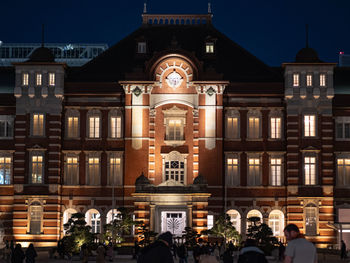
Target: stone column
point(152, 209)
point(189, 215)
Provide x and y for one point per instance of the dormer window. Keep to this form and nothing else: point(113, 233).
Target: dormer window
point(141, 47)
point(309, 80)
point(38, 79)
point(52, 79)
point(295, 80)
point(322, 80)
point(25, 79)
point(209, 48)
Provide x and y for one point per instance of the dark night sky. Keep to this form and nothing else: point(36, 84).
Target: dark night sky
point(273, 30)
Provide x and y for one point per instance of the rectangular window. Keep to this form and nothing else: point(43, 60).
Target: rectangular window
point(343, 128)
point(309, 125)
point(210, 221)
point(5, 170)
point(175, 130)
point(311, 220)
point(295, 80)
point(310, 170)
point(52, 79)
point(95, 223)
point(209, 48)
point(38, 124)
point(25, 79)
point(37, 169)
point(72, 171)
point(6, 126)
point(343, 171)
point(35, 219)
point(309, 80)
point(94, 171)
point(115, 176)
point(275, 128)
point(175, 170)
point(116, 129)
point(141, 47)
point(276, 171)
point(38, 79)
point(254, 176)
point(73, 127)
point(94, 127)
point(254, 127)
point(322, 80)
point(232, 177)
point(232, 128)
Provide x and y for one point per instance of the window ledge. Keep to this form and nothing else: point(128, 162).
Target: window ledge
point(73, 138)
point(275, 140)
point(6, 138)
point(342, 139)
point(115, 139)
point(174, 143)
point(254, 139)
point(233, 139)
point(93, 139)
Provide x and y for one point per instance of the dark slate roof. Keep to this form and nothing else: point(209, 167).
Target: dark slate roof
point(7, 79)
point(230, 60)
point(41, 54)
point(342, 80)
point(307, 55)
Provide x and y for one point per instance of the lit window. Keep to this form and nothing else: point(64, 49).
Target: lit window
point(6, 126)
point(115, 175)
point(309, 126)
point(37, 169)
point(275, 128)
point(309, 80)
point(254, 213)
point(276, 171)
point(175, 170)
point(73, 127)
point(295, 79)
point(254, 172)
point(95, 223)
point(38, 79)
point(52, 79)
point(235, 218)
point(94, 127)
point(343, 172)
point(116, 129)
point(311, 220)
point(38, 124)
point(209, 47)
point(322, 80)
point(310, 170)
point(5, 170)
point(210, 221)
point(141, 47)
point(232, 176)
point(35, 219)
point(254, 127)
point(72, 171)
point(232, 128)
point(93, 171)
point(174, 130)
point(276, 222)
point(342, 128)
point(25, 79)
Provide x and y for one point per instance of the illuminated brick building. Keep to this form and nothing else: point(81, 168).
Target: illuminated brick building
point(176, 122)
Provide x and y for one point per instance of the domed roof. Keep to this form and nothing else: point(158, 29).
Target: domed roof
point(142, 180)
point(307, 55)
point(42, 54)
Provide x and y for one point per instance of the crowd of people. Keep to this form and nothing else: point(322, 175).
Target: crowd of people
point(15, 254)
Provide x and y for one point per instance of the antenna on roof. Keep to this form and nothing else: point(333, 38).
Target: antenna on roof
point(307, 35)
point(144, 7)
point(209, 8)
point(42, 35)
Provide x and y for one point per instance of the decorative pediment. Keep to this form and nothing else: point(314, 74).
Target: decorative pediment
point(174, 111)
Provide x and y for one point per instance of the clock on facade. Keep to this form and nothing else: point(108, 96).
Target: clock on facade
point(174, 79)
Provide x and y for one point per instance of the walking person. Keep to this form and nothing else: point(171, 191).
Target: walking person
point(30, 254)
point(110, 252)
point(18, 254)
point(206, 257)
point(299, 249)
point(182, 253)
point(343, 250)
point(227, 257)
point(7, 252)
point(251, 253)
point(100, 258)
point(84, 254)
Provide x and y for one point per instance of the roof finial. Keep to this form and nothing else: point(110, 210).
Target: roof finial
point(144, 7)
point(42, 35)
point(307, 35)
point(209, 7)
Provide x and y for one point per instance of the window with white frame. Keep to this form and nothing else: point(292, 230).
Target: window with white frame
point(209, 47)
point(52, 79)
point(232, 127)
point(309, 125)
point(72, 126)
point(175, 130)
point(94, 127)
point(115, 171)
point(310, 170)
point(342, 128)
point(5, 170)
point(72, 171)
point(276, 171)
point(93, 219)
point(232, 171)
point(174, 167)
point(93, 170)
point(210, 221)
point(37, 167)
point(310, 220)
point(309, 80)
point(253, 127)
point(322, 80)
point(38, 124)
point(253, 213)
point(36, 211)
point(276, 127)
point(343, 171)
point(254, 171)
point(39, 79)
point(25, 79)
point(116, 127)
point(295, 80)
point(276, 222)
point(235, 218)
point(141, 47)
point(6, 126)
point(174, 120)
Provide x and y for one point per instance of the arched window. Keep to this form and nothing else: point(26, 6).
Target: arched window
point(174, 167)
point(235, 217)
point(253, 213)
point(115, 124)
point(310, 219)
point(35, 217)
point(67, 214)
point(276, 222)
point(94, 124)
point(72, 123)
point(93, 219)
point(254, 124)
point(232, 124)
point(112, 214)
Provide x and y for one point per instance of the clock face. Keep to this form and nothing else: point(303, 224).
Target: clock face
point(174, 79)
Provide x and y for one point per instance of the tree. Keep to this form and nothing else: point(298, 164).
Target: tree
point(190, 236)
point(262, 234)
point(223, 228)
point(145, 235)
point(77, 234)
